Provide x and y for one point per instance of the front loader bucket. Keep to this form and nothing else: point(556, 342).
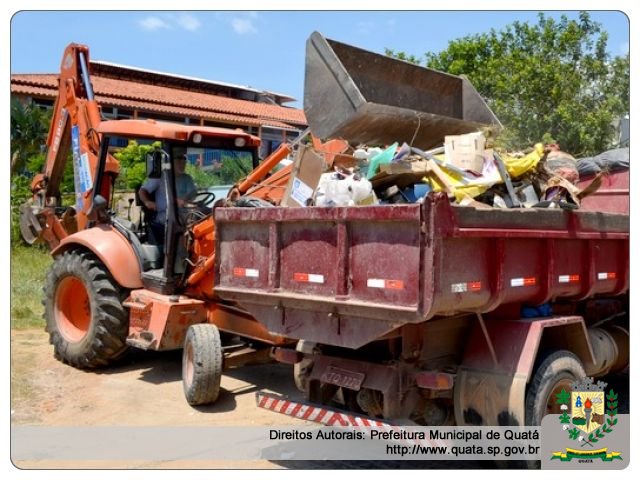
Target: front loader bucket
point(372, 99)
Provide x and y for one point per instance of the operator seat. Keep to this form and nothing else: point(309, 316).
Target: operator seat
point(152, 250)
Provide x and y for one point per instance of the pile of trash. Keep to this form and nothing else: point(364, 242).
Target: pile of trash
point(463, 167)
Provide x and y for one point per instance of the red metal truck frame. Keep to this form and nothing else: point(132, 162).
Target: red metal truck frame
point(440, 284)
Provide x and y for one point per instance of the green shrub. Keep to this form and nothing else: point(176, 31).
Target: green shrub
point(29, 266)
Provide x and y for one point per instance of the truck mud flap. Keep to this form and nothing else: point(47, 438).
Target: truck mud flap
point(489, 398)
point(313, 413)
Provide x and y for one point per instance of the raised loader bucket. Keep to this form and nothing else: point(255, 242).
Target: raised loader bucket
point(372, 99)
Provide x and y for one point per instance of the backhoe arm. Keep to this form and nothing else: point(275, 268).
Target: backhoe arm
point(73, 129)
point(260, 184)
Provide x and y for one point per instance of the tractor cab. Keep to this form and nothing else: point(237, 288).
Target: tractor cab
point(177, 172)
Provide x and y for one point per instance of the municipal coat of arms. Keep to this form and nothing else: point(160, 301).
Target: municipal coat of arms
point(588, 415)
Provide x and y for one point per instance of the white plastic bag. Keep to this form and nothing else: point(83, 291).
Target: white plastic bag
point(340, 190)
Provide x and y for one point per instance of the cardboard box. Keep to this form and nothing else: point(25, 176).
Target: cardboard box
point(305, 176)
point(465, 151)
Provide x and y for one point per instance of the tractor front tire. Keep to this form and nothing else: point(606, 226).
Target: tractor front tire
point(202, 364)
point(83, 311)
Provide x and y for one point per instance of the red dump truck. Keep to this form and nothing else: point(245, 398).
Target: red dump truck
point(432, 312)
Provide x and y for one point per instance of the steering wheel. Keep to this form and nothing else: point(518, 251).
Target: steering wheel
point(202, 199)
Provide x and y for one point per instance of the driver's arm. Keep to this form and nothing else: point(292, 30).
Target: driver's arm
point(191, 192)
point(147, 195)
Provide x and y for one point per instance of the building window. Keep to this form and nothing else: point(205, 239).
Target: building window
point(211, 123)
point(43, 103)
point(123, 114)
point(109, 112)
point(118, 142)
point(161, 117)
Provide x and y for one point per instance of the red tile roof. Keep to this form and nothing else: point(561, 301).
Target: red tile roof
point(129, 94)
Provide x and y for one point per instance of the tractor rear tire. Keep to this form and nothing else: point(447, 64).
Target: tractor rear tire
point(202, 364)
point(83, 311)
point(557, 370)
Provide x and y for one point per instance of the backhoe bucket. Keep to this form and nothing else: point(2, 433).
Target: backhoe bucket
point(363, 97)
point(30, 227)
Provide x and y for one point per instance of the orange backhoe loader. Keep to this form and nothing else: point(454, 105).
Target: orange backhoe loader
point(111, 286)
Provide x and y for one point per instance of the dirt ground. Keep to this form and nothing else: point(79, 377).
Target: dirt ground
point(145, 388)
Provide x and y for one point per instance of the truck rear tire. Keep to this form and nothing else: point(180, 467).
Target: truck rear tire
point(202, 364)
point(84, 315)
point(556, 371)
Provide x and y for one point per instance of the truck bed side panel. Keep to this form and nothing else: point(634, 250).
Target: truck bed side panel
point(346, 276)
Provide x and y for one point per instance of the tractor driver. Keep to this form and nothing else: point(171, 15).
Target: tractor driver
point(154, 199)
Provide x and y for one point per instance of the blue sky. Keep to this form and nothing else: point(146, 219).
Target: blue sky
point(264, 50)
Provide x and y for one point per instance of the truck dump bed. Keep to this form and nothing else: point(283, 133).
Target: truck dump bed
point(346, 276)
point(364, 97)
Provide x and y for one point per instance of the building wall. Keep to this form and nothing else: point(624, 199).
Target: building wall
point(271, 137)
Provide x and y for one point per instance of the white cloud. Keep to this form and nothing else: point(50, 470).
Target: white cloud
point(153, 23)
point(364, 27)
point(242, 23)
point(188, 22)
point(243, 26)
point(183, 21)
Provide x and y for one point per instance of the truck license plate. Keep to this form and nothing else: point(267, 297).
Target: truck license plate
point(343, 378)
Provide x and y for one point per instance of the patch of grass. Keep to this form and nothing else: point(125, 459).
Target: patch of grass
point(29, 266)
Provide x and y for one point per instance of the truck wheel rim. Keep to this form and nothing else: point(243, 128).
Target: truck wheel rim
point(552, 407)
point(187, 372)
point(72, 309)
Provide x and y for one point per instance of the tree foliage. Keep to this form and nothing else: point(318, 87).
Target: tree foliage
point(552, 79)
point(402, 56)
point(235, 167)
point(29, 128)
point(232, 167)
point(202, 179)
point(133, 166)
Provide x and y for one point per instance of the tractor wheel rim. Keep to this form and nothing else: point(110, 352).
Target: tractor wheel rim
point(188, 365)
point(552, 407)
point(72, 309)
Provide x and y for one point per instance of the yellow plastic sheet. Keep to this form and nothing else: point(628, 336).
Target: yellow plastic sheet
point(516, 167)
point(472, 188)
point(519, 166)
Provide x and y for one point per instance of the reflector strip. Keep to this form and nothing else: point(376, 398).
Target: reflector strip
point(466, 287)
point(568, 278)
point(308, 277)
point(523, 282)
point(246, 272)
point(606, 276)
point(382, 283)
